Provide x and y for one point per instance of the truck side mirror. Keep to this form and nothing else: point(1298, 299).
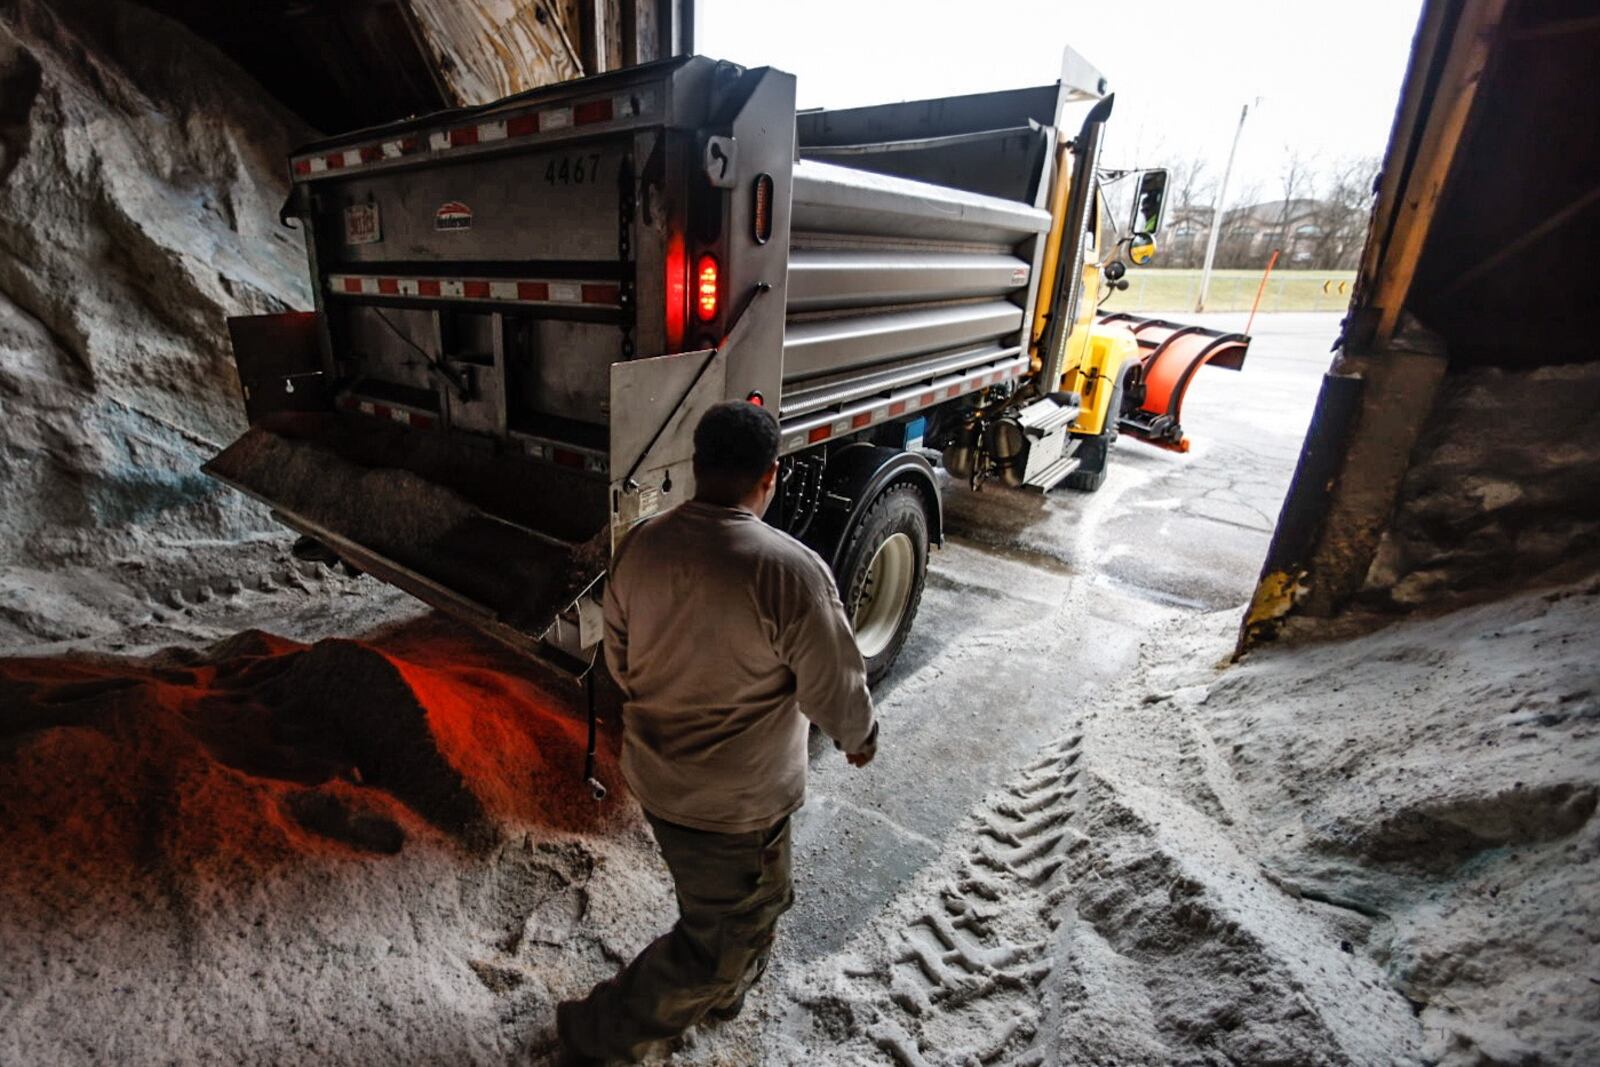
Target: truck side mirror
point(1141, 249)
point(1147, 204)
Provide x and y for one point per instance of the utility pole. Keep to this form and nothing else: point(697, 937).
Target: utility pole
point(1216, 211)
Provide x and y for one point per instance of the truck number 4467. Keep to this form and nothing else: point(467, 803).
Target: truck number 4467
point(573, 170)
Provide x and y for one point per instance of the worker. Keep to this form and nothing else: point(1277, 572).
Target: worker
point(725, 636)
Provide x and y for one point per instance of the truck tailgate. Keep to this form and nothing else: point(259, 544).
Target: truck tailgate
point(504, 545)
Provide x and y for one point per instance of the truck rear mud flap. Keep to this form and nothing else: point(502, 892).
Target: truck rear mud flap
point(505, 545)
point(1169, 355)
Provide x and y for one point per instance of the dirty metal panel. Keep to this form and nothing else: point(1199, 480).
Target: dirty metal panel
point(557, 204)
point(280, 362)
point(454, 522)
point(656, 404)
point(827, 278)
point(1004, 163)
point(843, 200)
point(826, 346)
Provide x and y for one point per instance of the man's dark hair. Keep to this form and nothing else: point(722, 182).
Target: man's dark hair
point(734, 445)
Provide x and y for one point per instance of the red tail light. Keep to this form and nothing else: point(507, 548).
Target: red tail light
point(677, 292)
point(705, 293)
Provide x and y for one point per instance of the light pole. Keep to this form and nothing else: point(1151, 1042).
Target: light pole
point(1216, 211)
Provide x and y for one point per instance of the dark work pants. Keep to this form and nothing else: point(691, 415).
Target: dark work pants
point(731, 889)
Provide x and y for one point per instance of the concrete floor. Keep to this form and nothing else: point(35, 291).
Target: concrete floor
point(1034, 604)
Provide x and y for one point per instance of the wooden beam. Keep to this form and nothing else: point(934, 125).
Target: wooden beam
point(1471, 46)
point(1402, 138)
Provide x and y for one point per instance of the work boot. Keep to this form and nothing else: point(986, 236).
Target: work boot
point(726, 1013)
point(729, 1012)
point(566, 1055)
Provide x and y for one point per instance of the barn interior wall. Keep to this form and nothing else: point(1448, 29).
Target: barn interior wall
point(1482, 474)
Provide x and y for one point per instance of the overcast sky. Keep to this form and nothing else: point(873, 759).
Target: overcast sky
point(1328, 74)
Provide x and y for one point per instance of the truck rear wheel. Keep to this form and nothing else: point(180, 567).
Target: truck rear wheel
point(881, 574)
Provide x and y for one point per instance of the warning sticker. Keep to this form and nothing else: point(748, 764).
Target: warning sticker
point(1019, 275)
point(361, 224)
point(453, 215)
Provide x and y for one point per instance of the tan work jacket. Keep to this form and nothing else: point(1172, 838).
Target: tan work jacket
point(726, 635)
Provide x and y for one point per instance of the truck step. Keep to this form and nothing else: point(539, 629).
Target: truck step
point(1053, 475)
point(1050, 414)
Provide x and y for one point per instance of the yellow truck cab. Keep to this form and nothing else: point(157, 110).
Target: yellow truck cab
point(1098, 354)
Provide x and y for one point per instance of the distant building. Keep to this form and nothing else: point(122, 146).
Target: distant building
point(1292, 226)
point(1183, 240)
point(1309, 233)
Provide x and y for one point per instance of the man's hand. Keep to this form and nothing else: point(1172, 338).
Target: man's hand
point(869, 748)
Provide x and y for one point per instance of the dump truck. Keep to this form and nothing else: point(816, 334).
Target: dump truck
point(522, 310)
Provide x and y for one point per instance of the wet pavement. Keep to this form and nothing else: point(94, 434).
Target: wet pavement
point(1034, 604)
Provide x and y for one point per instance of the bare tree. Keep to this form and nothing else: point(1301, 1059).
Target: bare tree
point(1187, 218)
point(1297, 179)
point(1342, 212)
point(1236, 244)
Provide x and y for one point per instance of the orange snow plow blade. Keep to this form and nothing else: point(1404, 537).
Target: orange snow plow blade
point(1169, 355)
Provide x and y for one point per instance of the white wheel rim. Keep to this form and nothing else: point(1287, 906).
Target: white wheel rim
point(885, 595)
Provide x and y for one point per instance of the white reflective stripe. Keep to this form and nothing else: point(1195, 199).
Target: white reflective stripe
point(562, 292)
point(399, 415)
point(366, 407)
point(840, 426)
point(794, 441)
point(559, 118)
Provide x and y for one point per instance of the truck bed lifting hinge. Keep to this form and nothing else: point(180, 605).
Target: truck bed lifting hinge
point(626, 192)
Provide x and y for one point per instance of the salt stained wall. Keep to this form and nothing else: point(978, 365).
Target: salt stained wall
point(140, 179)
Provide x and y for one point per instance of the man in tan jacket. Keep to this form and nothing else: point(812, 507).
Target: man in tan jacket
point(726, 636)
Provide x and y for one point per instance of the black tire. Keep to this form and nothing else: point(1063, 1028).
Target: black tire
point(898, 512)
point(1095, 452)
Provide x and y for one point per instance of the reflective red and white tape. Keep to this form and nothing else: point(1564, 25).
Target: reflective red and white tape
point(577, 459)
point(511, 127)
point(405, 416)
point(823, 426)
point(501, 290)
